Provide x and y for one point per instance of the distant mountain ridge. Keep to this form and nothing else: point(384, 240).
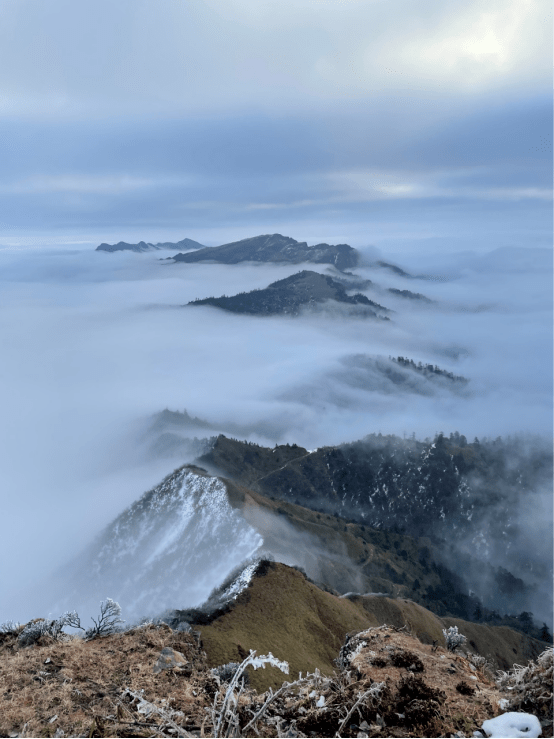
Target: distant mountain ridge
point(290, 295)
point(275, 248)
point(143, 246)
point(193, 542)
point(410, 295)
point(194, 531)
point(462, 496)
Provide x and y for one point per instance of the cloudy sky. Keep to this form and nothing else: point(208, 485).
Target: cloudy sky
point(366, 121)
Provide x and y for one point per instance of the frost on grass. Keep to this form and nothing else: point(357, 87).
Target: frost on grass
point(225, 717)
point(453, 638)
point(53, 628)
point(10, 627)
point(530, 688)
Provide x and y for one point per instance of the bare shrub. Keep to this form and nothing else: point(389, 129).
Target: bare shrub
point(108, 621)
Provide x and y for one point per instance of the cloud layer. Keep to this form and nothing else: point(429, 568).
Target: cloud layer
point(125, 122)
point(95, 343)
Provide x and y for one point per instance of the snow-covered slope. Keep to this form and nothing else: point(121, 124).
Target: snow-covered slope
point(168, 549)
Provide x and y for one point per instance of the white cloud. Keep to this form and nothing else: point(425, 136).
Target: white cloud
point(94, 342)
point(363, 184)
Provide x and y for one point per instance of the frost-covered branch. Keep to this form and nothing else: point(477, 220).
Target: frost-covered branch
point(530, 687)
point(10, 627)
point(145, 707)
point(108, 621)
point(227, 713)
point(53, 628)
point(453, 638)
point(285, 687)
point(374, 692)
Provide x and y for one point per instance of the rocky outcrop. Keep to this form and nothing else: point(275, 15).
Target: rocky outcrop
point(171, 659)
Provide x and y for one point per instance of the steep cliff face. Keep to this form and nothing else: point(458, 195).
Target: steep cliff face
point(187, 536)
point(170, 548)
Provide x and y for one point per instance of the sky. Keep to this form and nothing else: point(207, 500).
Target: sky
point(360, 121)
point(417, 133)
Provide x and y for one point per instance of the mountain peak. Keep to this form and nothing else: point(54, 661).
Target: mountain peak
point(274, 248)
point(305, 289)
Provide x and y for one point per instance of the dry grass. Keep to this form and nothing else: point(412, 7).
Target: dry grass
point(442, 672)
point(284, 614)
point(529, 688)
point(81, 682)
point(500, 644)
point(93, 688)
point(388, 685)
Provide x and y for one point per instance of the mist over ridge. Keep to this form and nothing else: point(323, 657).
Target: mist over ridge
point(99, 343)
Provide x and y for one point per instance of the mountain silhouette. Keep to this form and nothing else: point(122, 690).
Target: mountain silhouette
point(305, 289)
point(143, 246)
point(274, 248)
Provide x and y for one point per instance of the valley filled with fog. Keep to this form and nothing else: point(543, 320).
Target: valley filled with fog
point(96, 344)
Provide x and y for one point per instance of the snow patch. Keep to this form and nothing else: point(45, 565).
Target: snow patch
point(169, 549)
point(513, 725)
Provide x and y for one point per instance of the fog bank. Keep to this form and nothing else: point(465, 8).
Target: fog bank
point(96, 343)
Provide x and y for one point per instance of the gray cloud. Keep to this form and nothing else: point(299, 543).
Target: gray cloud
point(96, 59)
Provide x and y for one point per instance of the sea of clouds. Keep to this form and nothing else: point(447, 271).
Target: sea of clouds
point(95, 343)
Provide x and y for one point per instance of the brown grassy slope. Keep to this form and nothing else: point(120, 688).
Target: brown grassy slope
point(440, 709)
point(79, 687)
point(503, 646)
point(281, 612)
point(401, 612)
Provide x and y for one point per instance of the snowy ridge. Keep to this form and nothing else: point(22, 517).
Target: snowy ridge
point(170, 548)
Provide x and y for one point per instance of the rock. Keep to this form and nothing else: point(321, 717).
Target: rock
point(170, 659)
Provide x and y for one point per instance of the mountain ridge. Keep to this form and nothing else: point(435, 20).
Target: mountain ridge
point(461, 496)
point(274, 248)
point(144, 246)
point(302, 290)
point(384, 666)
